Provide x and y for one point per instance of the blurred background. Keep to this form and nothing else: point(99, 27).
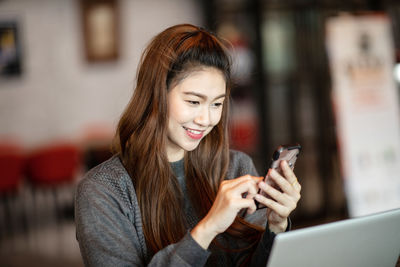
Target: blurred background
point(67, 70)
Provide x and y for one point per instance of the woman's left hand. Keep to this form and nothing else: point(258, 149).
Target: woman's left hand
point(280, 204)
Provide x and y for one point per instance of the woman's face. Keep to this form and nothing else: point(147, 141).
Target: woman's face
point(195, 107)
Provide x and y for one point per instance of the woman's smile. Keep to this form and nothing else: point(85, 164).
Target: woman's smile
point(194, 134)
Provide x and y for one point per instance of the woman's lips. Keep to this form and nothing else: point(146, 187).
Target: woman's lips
point(194, 134)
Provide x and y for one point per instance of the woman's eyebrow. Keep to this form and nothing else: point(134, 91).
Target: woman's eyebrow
point(204, 97)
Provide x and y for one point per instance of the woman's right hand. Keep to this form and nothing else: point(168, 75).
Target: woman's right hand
point(227, 204)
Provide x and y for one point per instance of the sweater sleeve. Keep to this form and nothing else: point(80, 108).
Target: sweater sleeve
point(108, 236)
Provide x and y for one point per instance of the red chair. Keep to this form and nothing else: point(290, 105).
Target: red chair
point(54, 164)
point(11, 168)
point(11, 176)
point(51, 169)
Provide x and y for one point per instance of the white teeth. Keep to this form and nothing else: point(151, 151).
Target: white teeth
point(193, 131)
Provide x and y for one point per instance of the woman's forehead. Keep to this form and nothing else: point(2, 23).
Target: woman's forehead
point(207, 81)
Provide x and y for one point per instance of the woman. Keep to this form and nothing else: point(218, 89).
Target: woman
point(174, 194)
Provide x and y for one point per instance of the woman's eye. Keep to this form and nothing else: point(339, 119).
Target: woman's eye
point(193, 102)
point(217, 105)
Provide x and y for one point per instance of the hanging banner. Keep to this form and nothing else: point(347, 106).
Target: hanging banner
point(366, 107)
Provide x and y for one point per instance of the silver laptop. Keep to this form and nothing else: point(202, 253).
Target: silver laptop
point(368, 241)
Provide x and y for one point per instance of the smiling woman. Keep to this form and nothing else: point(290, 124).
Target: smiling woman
point(174, 194)
point(195, 107)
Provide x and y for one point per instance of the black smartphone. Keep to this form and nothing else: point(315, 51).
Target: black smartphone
point(289, 153)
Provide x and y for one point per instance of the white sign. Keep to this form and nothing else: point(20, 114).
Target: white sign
point(366, 107)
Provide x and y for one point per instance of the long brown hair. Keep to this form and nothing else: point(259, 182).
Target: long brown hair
point(142, 132)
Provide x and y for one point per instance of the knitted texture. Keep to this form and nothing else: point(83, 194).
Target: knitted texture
point(109, 225)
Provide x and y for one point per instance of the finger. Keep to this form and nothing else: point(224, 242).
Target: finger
point(278, 208)
point(251, 196)
point(284, 185)
point(244, 204)
point(288, 173)
point(250, 205)
point(279, 180)
point(290, 190)
point(246, 186)
point(291, 177)
point(235, 182)
point(297, 186)
point(275, 194)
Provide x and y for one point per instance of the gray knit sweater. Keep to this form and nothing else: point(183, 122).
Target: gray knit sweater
point(109, 226)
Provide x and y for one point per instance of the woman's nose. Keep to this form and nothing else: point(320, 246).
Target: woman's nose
point(203, 117)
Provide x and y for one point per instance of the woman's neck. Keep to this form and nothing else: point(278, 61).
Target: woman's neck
point(174, 157)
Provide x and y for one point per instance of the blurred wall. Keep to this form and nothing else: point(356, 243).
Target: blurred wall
point(59, 94)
